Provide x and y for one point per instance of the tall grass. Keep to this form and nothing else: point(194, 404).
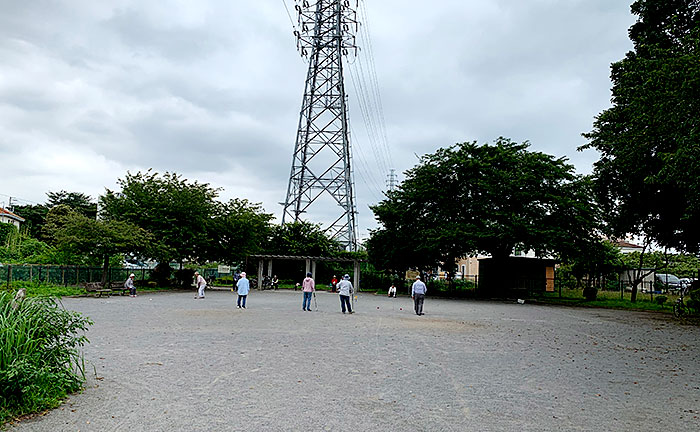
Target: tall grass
point(43, 289)
point(41, 359)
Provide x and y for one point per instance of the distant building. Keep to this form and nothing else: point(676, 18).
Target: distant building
point(626, 247)
point(7, 216)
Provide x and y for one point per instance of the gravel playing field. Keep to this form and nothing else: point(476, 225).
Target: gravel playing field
point(167, 362)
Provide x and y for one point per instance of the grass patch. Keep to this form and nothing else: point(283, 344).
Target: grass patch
point(41, 359)
point(42, 289)
point(610, 300)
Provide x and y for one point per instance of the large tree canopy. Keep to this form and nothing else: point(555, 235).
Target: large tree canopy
point(648, 175)
point(237, 229)
point(301, 238)
point(77, 234)
point(177, 212)
point(482, 199)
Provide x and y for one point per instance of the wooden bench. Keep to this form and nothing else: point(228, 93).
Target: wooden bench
point(116, 286)
point(96, 289)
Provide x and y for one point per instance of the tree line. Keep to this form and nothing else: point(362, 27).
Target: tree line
point(165, 218)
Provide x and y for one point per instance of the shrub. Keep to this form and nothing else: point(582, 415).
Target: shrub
point(161, 274)
point(660, 299)
point(184, 277)
point(40, 357)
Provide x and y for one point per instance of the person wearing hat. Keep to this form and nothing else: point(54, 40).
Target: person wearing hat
point(418, 295)
point(308, 287)
point(243, 286)
point(200, 283)
point(129, 284)
point(345, 291)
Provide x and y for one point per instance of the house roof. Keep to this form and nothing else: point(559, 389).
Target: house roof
point(11, 215)
point(626, 244)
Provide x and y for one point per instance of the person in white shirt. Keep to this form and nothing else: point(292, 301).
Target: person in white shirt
point(392, 291)
point(345, 291)
point(129, 284)
point(418, 291)
point(200, 283)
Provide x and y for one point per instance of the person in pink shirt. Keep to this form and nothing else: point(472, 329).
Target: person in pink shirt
point(308, 287)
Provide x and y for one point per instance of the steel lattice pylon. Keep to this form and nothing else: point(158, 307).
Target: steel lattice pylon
point(321, 164)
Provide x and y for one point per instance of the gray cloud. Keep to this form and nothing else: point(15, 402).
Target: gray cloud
point(212, 89)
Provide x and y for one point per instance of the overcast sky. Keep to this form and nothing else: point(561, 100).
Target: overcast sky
point(211, 89)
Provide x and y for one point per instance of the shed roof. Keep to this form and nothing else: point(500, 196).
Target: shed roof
point(299, 257)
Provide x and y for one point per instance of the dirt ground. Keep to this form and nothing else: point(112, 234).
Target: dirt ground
point(167, 362)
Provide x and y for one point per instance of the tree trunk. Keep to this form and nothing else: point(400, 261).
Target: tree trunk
point(105, 270)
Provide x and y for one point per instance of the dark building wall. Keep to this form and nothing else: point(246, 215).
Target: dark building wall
point(513, 276)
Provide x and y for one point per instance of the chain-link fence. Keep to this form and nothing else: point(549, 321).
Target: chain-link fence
point(66, 275)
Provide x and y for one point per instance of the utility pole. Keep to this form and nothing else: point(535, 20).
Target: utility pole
point(321, 163)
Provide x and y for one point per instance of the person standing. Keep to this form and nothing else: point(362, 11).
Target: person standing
point(200, 283)
point(334, 283)
point(308, 287)
point(129, 284)
point(243, 286)
point(392, 291)
point(418, 291)
point(345, 291)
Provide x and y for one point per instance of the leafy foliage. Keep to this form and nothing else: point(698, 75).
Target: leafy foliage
point(34, 216)
point(237, 229)
point(301, 238)
point(470, 199)
point(40, 357)
point(8, 232)
point(648, 175)
point(79, 235)
point(77, 201)
point(681, 265)
point(175, 211)
point(592, 264)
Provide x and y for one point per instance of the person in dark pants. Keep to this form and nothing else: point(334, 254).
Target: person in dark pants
point(418, 291)
point(309, 286)
point(345, 291)
point(243, 289)
point(129, 284)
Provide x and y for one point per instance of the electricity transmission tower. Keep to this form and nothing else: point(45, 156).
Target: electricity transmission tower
point(391, 180)
point(321, 164)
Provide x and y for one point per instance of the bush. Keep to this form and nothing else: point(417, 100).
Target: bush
point(590, 293)
point(660, 299)
point(161, 274)
point(460, 288)
point(40, 357)
point(376, 281)
point(184, 278)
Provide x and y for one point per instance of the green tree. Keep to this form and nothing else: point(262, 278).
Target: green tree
point(301, 238)
point(77, 201)
point(34, 216)
point(490, 199)
point(648, 176)
point(78, 234)
point(238, 228)
point(177, 212)
point(593, 263)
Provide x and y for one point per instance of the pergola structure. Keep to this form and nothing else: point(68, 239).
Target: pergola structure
point(310, 265)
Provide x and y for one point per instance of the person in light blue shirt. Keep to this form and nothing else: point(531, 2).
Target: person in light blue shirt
point(243, 286)
point(418, 291)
